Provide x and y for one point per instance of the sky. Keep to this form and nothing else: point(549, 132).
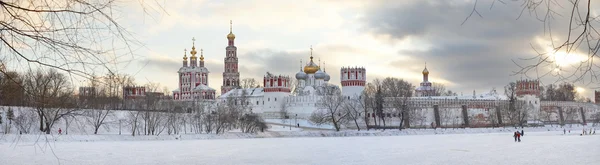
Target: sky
point(388, 38)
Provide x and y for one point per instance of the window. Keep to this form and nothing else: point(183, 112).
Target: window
point(263, 102)
point(275, 98)
point(268, 99)
point(256, 102)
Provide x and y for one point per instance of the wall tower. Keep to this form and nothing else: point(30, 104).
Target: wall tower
point(353, 80)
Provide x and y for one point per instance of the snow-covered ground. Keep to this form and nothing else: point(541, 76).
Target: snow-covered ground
point(302, 122)
point(543, 148)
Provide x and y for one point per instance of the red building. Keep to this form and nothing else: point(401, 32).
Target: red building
point(528, 87)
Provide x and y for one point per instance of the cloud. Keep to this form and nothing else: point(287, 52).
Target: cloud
point(477, 55)
point(388, 38)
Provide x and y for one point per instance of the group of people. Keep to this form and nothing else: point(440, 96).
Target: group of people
point(591, 132)
point(517, 135)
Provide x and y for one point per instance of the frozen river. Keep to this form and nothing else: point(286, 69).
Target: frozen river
point(544, 148)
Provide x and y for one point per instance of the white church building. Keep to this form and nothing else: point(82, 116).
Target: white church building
point(313, 84)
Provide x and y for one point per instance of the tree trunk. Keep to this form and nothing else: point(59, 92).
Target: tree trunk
point(47, 128)
point(96, 130)
point(42, 123)
point(357, 127)
point(401, 121)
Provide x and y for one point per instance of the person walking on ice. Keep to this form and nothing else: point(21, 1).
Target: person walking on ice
point(59, 131)
point(517, 136)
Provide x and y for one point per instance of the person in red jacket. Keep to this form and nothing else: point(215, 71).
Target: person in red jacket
point(59, 131)
point(517, 136)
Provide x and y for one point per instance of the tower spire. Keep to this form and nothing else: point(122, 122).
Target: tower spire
point(230, 36)
point(301, 65)
point(323, 66)
point(193, 52)
point(201, 54)
point(185, 54)
point(319, 63)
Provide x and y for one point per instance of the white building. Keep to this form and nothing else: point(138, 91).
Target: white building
point(313, 83)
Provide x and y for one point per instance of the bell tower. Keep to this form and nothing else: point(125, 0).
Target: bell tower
point(231, 75)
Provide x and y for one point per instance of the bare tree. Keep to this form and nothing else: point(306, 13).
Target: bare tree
point(96, 118)
point(354, 110)
point(11, 89)
point(330, 111)
point(251, 123)
point(367, 102)
point(24, 121)
point(578, 38)
point(595, 118)
point(493, 118)
point(399, 91)
point(51, 95)
point(133, 120)
point(69, 36)
point(249, 83)
point(570, 115)
point(439, 89)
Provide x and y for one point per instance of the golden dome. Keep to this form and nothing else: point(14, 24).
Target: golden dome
point(230, 36)
point(425, 71)
point(311, 67)
point(201, 55)
point(193, 52)
point(184, 55)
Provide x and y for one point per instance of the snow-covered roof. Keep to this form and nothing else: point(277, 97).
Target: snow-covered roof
point(196, 69)
point(253, 92)
point(486, 96)
point(422, 88)
point(203, 87)
point(176, 90)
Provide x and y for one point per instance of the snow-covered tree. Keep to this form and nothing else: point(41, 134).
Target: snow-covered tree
point(330, 111)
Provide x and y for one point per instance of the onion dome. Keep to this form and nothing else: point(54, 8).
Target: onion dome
point(327, 77)
point(230, 36)
point(425, 71)
point(311, 67)
point(301, 75)
point(185, 55)
point(320, 75)
point(193, 52)
point(201, 55)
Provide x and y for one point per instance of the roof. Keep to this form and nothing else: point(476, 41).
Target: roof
point(203, 87)
point(176, 90)
point(422, 88)
point(485, 96)
point(196, 69)
point(255, 92)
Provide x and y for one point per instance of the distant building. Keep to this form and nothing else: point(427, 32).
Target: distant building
point(425, 88)
point(193, 80)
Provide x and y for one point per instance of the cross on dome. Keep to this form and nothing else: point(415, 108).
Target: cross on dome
point(201, 54)
point(230, 36)
point(185, 54)
point(311, 50)
point(193, 52)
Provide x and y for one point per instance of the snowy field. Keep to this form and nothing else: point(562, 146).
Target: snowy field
point(543, 148)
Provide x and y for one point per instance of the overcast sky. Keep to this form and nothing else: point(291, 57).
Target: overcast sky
point(388, 38)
